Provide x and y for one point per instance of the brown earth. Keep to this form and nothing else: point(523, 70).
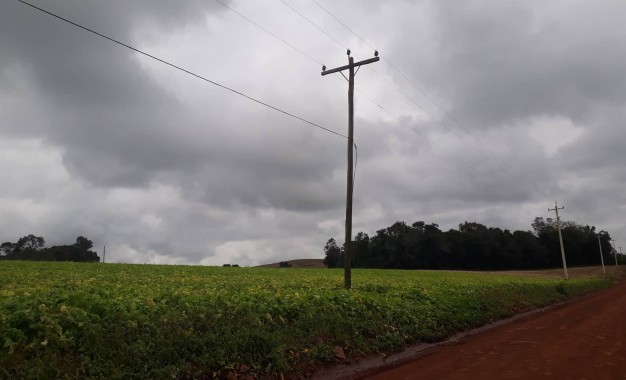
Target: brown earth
point(583, 339)
point(299, 263)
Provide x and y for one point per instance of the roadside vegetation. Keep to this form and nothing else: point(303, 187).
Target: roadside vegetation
point(118, 321)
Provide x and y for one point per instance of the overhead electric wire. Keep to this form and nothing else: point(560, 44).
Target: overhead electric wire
point(382, 76)
point(433, 142)
point(461, 161)
point(446, 113)
point(183, 70)
point(344, 25)
point(267, 31)
point(297, 50)
point(391, 84)
point(406, 78)
point(241, 93)
point(507, 166)
point(312, 23)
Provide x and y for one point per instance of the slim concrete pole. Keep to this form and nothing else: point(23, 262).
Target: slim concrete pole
point(347, 265)
point(558, 225)
point(601, 257)
point(104, 253)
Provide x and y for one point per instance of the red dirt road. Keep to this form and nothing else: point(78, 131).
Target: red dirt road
point(585, 339)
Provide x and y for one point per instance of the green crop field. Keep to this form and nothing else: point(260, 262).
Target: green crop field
point(73, 320)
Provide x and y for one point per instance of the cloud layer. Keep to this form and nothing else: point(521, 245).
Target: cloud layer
point(488, 112)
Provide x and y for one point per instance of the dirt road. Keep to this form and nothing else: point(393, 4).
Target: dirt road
point(585, 339)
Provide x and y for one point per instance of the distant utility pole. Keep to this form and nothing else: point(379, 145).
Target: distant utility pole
point(104, 254)
point(350, 186)
point(601, 257)
point(558, 225)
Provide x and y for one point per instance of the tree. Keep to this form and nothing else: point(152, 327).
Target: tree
point(83, 244)
point(32, 247)
point(360, 251)
point(533, 254)
point(431, 246)
point(30, 242)
point(474, 246)
point(7, 248)
point(333, 255)
point(472, 228)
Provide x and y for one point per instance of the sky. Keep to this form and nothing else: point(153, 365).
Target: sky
point(484, 111)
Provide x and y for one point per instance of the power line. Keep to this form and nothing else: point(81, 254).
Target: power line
point(314, 24)
point(446, 113)
point(184, 70)
point(344, 25)
point(241, 93)
point(433, 142)
point(406, 78)
point(428, 113)
point(461, 161)
point(380, 75)
point(391, 84)
point(270, 33)
point(507, 166)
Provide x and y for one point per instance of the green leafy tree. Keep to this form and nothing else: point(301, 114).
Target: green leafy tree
point(83, 244)
point(30, 242)
point(360, 251)
point(474, 246)
point(333, 254)
point(7, 248)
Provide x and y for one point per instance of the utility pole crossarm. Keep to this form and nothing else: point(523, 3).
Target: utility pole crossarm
point(338, 69)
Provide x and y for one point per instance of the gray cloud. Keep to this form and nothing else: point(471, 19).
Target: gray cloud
point(161, 167)
point(497, 63)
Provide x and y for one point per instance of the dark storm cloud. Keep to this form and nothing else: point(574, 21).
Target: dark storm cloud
point(118, 127)
point(165, 168)
point(505, 61)
point(114, 123)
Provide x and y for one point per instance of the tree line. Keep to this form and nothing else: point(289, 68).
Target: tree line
point(474, 246)
point(34, 248)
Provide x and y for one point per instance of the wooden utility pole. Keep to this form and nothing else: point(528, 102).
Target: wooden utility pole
point(601, 257)
point(347, 265)
point(558, 225)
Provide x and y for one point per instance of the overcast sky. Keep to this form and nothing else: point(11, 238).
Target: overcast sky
point(485, 111)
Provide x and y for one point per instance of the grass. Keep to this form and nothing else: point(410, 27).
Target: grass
point(72, 320)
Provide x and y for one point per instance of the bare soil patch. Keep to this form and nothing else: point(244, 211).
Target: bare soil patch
point(299, 263)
